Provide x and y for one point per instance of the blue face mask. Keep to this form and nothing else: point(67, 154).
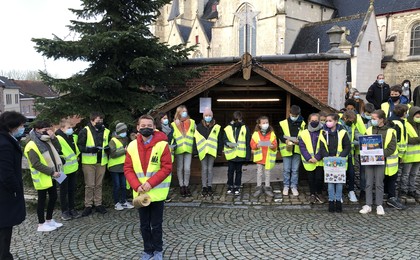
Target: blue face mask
point(208, 119)
point(123, 135)
point(368, 117)
point(20, 131)
point(374, 122)
point(184, 114)
point(69, 131)
point(381, 81)
point(294, 118)
point(165, 121)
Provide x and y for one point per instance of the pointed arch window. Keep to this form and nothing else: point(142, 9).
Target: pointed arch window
point(415, 40)
point(247, 29)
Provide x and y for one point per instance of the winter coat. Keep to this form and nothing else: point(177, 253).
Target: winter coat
point(333, 143)
point(377, 94)
point(12, 202)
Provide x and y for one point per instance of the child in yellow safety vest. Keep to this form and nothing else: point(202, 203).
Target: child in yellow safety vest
point(117, 147)
point(264, 149)
point(375, 173)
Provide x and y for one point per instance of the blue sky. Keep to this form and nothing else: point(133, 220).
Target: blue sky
point(22, 20)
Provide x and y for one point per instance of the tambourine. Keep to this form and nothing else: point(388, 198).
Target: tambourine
point(143, 200)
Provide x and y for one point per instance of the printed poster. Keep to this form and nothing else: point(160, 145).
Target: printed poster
point(335, 169)
point(371, 150)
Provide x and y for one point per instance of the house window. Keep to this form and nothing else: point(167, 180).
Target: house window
point(369, 45)
point(247, 33)
point(8, 99)
point(415, 40)
point(197, 41)
point(16, 99)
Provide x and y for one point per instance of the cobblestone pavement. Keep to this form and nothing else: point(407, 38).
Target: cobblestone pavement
point(197, 230)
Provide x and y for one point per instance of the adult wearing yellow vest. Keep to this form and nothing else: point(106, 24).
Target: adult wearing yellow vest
point(309, 144)
point(264, 149)
point(398, 122)
point(411, 157)
point(237, 150)
point(290, 129)
point(117, 147)
point(208, 144)
point(375, 173)
point(147, 167)
point(336, 143)
point(93, 144)
point(45, 164)
point(395, 98)
point(12, 206)
point(184, 129)
point(69, 153)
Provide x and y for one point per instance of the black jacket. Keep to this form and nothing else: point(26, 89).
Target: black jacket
point(205, 131)
point(377, 94)
point(236, 131)
point(333, 144)
point(98, 135)
point(12, 201)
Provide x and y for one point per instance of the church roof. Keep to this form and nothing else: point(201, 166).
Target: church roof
point(210, 10)
point(207, 27)
point(174, 10)
point(347, 8)
point(306, 41)
point(184, 31)
point(327, 3)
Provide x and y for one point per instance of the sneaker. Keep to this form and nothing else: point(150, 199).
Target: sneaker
point(45, 227)
point(127, 205)
point(268, 191)
point(229, 191)
point(393, 202)
point(118, 206)
point(312, 199)
point(87, 211)
point(146, 256)
point(236, 191)
point(66, 216)
point(380, 210)
point(210, 191)
point(286, 191)
point(352, 196)
point(319, 198)
point(204, 192)
point(295, 192)
point(101, 209)
point(52, 223)
point(157, 255)
point(365, 209)
point(258, 191)
point(75, 214)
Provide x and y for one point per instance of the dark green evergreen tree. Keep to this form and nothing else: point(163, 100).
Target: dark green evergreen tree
point(129, 69)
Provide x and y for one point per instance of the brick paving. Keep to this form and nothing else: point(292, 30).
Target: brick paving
point(232, 228)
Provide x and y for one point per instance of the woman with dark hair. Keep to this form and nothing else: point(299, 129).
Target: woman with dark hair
point(375, 174)
point(406, 89)
point(12, 202)
point(45, 164)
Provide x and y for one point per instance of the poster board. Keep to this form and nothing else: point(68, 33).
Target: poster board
point(335, 169)
point(371, 150)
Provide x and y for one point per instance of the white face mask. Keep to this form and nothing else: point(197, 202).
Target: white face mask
point(406, 85)
point(264, 127)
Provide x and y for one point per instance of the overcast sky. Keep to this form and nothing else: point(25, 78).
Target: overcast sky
point(21, 20)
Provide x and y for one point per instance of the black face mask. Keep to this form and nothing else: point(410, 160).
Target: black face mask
point(99, 125)
point(237, 123)
point(146, 132)
point(395, 98)
point(314, 124)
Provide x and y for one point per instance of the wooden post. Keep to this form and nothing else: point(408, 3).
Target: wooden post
point(288, 104)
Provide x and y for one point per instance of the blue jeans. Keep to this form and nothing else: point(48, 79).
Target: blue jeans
point(291, 170)
point(118, 187)
point(151, 218)
point(335, 191)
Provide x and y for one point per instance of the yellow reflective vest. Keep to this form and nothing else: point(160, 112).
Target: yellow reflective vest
point(270, 159)
point(70, 156)
point(385, 107)
point(402, 143)
point(391, 164)
point(41, 180)
point(306, 138)
point(341, 135)
point(159, 192)
point(412, 153)
point(282, 146)
point(119, 147)
point(90, 158)
point(240, 149)
point(184, 144)
point(209, 145)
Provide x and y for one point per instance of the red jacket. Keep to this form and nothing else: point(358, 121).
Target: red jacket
point(264, 148)
point(144, 153)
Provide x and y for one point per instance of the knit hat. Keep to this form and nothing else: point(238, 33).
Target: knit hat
point(207, 111)
point(120, 128)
